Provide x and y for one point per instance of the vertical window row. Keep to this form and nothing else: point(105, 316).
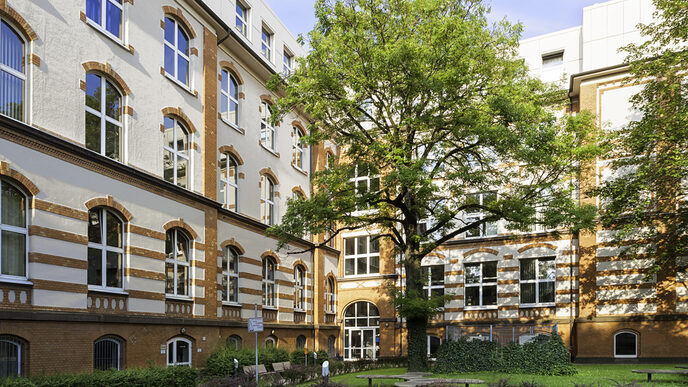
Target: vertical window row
point(297, 147)
point(433, 280)
point(267, 131)
point(299, 288)
point(476, 214)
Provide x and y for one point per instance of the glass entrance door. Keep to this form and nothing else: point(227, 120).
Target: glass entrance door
point(361, 332)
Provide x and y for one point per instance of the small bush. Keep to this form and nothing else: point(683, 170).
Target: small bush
point(221, 362)
point(546, 355)
point(135, 377)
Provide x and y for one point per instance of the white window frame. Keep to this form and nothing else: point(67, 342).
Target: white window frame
point(550, 56)
point(244, 20)
point(266, 46)
point(231, 253)
point(368, 255)
point(271, 339)
point(175, 232)
point(226, 183)
point(102, 27)
point(119, 350)
point(269, 285)
point(297, 148)
point(299, 288)
point(17, 344)
point(267, 131)
point(428, 342)
point(267, 205)
point(15, 73)
point(102, 114)
point(330, 296)
point(287, 62)
point(176, 154)
point(354, 181)
point(481, 284)
point(174, 342)
point(429, 287)
point(537, 281)
point(636, 345)
point(230, 98)
point(236, 341)
point(177, 52)
point(104, 249)
point(18, 230)
point(470, 217)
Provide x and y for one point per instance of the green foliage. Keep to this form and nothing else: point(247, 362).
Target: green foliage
point(136, 377)
point(546, 355)
point(221, 362)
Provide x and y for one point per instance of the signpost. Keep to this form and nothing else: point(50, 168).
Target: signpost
point(256, 325)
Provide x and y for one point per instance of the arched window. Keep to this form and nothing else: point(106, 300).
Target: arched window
point(301, 342)
point(14, 230)
point(361, 331)
point(229, 99)
point(297, 148)
point(176, 51)
point(178, 352)
point(269, 282)
point(330, 346)
point(103, 117)
point(329, 296)
point(271, 342)
point(267, 131)
point(229, 185)
point(626, 344)
point(106, 15)
point(299, 288)
point(12, 72)
point(176, 154)
point(234, 342)
point(230, 275)
point(107, 353)
point(105, 249)
point(177, 260)
point(267, 200)
point(11, 353)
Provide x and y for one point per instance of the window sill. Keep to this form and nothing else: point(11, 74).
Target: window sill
point(364, 276)
point(232, 304)
point(544, 305)
point(265, 307)
point(178, 298)
point(109, 35)
point(276, 154)
point(179, 84)
point(98, 289)
point(235, 127)
point(301, 171)
point(15, 281)
point(491, 307)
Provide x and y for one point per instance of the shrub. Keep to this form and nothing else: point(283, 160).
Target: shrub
point(135, 377)
point(546, 355)
point(221, 362)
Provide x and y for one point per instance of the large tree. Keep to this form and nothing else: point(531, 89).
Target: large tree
point(432, 98)
point(646, 197)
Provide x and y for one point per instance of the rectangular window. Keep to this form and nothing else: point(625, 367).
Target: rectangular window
point(107, 15)
point(266, 44)
point(361, 255)
point(553, 59)
point(537, 280)
point(481, 284)
point(287, 63)
point(242, 18)
point(476, 214)
point(434, 280)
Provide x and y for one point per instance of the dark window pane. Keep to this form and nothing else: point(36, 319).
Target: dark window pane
point(113, 136)
point(112, 101)
point(490, 271)
point(11, 96)
point(168, 166)
point(114, 230)
point(528, 293)
point(374, 265)
point(183, 70)
point(94, 226)
point(625, 344)
point(362, 244)
point(489, 295)
point(362, 266)
point(349, 246)
point(349, 266)
point(472, 273)
point(546, 290)
point(13, 206)
point(92, 132)
point(169, 59)
point(95, 267)
point(374, 245)
point(169, 30)
point(113, 19)
point(547, 269)
point(182, 42)
point(93, 91)
point(183, 351)
point(13, 253)
point(169, 278)
point(113, 276)
point(106, 355)
point(527, 269)
point(93, 10)
point(472, 296)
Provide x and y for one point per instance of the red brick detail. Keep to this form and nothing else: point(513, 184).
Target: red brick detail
point(233, 243)
point(179, 223)
point(106, 69)
point(179, 114)
point(177, 14)
point(299, 190)
point(230, 149)
point(480, 250)
point(536, 245)
point(18, 21)
point(35, 60)
point(110, 202)
point(229, 66)
point(272, 254)
point(267, 99)
point(22, 180)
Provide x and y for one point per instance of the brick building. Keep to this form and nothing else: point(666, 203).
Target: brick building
point(138, 175)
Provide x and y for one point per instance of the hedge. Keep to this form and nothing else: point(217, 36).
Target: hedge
point(545, 355)
point(136, 377)
point(221, 362)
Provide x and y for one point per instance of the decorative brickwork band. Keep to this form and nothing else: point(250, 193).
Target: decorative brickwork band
point(179, 114)
point(272, 254)
point(268, 172)
point(110, 202)
point(267, 99)
point(298, 124)
point(19, 23)
point(480, 250)
point(536, 245)
point(106, 69)
point(233, 243)
point(22, 180)
point(229, 66)
point(179, 223)
point(299, 190)
point(177, 14)
point(230, 150)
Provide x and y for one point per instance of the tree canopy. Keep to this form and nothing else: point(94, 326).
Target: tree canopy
point(435, 118)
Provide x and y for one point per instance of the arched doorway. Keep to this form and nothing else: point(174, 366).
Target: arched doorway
point(361, 331)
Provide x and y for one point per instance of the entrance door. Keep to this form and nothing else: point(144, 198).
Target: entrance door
point(361, 333)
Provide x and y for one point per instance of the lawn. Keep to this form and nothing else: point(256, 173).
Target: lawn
point(588, 374)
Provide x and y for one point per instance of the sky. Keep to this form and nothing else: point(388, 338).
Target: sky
point(538, 16)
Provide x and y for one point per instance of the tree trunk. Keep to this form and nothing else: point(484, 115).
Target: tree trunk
point(417, 345)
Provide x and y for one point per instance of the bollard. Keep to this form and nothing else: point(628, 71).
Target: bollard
point(326, 370)
point(236, 367)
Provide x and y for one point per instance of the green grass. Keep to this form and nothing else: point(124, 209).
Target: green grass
point(587, 374)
